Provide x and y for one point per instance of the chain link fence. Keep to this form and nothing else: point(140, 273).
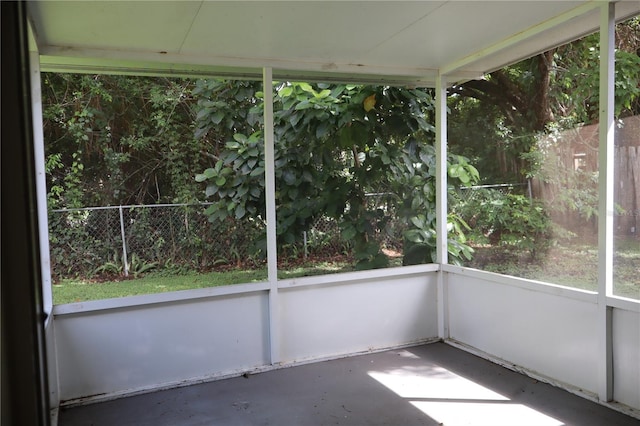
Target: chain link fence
point(129, 240)
point(323, 236)
point(133, 239)
point(467, 193)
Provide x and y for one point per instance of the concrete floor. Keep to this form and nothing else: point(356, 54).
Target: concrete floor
point(424, 385)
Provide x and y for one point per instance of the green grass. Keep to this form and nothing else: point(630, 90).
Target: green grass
point(574, 265)
point(79, 290)
point(308, 269)
point(570, 265)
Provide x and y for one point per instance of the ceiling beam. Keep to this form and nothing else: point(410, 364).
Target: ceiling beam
point(85, 61)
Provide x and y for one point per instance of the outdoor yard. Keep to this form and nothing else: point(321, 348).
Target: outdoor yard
point(568, 265)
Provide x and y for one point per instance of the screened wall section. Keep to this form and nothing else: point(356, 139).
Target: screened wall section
point(254, 203)
point(143, 193)
point(532, 132)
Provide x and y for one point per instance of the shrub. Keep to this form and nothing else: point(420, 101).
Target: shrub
point(510, 220)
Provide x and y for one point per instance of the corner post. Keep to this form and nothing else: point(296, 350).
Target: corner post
point(606, 200)
point(441, 203)
point(270, 196)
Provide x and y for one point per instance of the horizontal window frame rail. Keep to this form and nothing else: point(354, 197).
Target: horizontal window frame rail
point(525, 283)
point(617, 302)
point(201, 294)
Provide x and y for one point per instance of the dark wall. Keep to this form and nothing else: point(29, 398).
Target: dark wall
point(24, 386)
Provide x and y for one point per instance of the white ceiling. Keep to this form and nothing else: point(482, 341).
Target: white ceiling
point(394, 41)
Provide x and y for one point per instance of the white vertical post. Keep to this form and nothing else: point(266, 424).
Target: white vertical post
point(605, 192)
point(441, 202)
point(43, 221)
point(125, 261)
point(270, 196)
point(41, 182)
point(304, 241)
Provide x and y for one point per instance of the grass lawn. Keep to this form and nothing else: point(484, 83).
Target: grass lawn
point(80, 290)
point(573, 266)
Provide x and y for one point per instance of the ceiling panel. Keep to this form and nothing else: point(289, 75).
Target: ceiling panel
point(156, 26)
point(402, 41)
point(460, 28)
point(305, 31)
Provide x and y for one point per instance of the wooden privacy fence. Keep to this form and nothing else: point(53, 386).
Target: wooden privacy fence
point(627, 194)
point(568, 180)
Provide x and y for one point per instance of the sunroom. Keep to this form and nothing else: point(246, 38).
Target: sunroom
point(586, 342)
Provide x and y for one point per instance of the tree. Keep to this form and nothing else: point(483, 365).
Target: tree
point(555, 89)
point(119, 140)
point(509, 123)
point(334, 145)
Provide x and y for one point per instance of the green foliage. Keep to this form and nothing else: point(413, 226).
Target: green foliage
point(418, 204)
point(509, 220)
point(88, 243)
point(331, 150)
point(119, 140)
point(576, 92)
point(497, 119)
point(137, 266)
point(111, 268)
point(77, 245)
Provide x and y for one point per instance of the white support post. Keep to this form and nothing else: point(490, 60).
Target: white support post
point(41, 182)
point(441, 170)
point(123, 237)
point(43, 225)
point(270, 196)
point(605, 192)
point(441, 202)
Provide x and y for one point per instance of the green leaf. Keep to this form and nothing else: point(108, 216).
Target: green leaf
point(322, 129)
point(255, 191)
point(203, 113)
point(349, 233)
point(217, 117)
point(323, 94)
point(242, 191)
point(464, 177)
point(240, 211)
point(285, 91)
point(257, 171)
point(221, 180)
point(211, 209)
point(306, 87)
point(240, 137)
point(419, 221)
point(289, 177)
point(211, 190)
point(207, 174)
point(303, 105)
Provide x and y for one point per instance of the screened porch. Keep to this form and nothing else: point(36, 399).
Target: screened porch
point(582, 341)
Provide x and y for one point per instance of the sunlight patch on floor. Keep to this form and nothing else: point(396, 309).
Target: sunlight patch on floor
point(451, 399)
point(484, 414)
